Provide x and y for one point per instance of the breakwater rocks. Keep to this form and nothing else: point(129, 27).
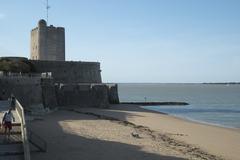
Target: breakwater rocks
point(157, 103)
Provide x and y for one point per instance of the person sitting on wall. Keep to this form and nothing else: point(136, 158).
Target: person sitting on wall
point(7, 122)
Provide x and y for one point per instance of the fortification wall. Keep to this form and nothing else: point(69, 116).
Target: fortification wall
point(82, 95)
point(36, 93)
point(26, 89)
point(49, 98)
point(70, 72)
point(113, 94)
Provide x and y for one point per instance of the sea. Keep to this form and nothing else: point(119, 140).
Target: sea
point(215, 104)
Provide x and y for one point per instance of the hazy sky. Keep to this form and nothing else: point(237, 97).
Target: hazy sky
point(136, 40)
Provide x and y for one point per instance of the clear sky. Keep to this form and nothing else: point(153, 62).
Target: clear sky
point(136, 40)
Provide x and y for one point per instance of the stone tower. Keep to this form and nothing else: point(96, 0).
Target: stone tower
point(47, 42)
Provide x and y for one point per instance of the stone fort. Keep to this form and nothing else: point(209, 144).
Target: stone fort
point(47, 42)
point(47, 80)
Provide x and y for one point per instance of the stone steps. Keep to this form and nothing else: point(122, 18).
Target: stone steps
point(11, 149)
point(12, 133)
point(12, 157)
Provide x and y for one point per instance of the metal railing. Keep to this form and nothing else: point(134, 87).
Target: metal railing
point(20, 112)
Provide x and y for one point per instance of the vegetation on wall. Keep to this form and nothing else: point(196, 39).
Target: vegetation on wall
point(14, 66)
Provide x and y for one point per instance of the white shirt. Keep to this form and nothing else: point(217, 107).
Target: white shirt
point(8, 117)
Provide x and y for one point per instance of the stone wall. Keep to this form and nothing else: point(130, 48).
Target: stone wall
point(49, 98)
point(36, 93)
point(83, 95)
point(27, 90)
point(48, 42)
point(34, 44)
point(113, 94)
point(70, 72)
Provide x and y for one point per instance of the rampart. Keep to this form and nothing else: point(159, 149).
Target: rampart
point(69, 71)
point(113, 94)
point(38, 92)
point(27, 89)
point(83, 95)
point(58, 83)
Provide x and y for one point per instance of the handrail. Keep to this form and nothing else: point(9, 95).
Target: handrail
point(20, 112)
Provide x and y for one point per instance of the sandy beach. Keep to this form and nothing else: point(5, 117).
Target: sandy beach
point(130, 132)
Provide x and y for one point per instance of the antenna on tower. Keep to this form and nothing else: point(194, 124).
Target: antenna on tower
point(47, 8)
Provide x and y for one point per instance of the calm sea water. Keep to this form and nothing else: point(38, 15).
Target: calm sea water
point(214, 104)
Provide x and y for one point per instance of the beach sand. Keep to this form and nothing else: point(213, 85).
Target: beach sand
point(130, 132)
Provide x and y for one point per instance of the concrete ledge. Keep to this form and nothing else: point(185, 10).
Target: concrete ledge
point(157, 103)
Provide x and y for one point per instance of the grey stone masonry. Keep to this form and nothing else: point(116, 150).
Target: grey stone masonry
point(47, 42)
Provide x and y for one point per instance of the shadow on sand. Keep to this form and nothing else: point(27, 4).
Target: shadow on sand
point(63, 145)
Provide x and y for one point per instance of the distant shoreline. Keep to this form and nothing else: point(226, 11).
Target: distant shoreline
point(224, 83)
